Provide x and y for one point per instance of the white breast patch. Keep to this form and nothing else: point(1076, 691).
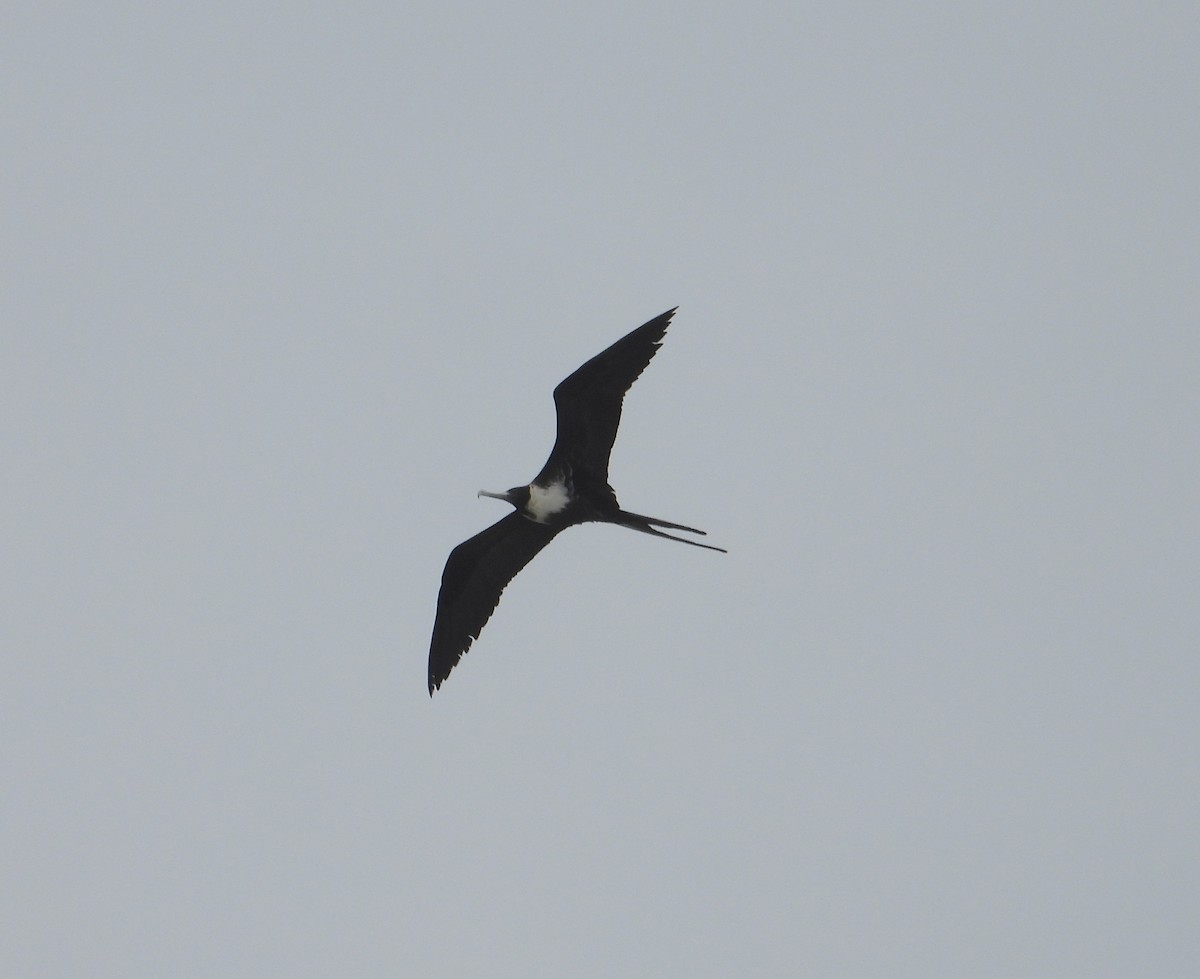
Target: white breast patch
point(545, 501)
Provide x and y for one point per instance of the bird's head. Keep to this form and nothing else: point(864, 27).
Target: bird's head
point(518, 496)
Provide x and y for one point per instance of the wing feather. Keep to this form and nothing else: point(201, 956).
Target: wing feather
point(588, 403)
point(476, 573)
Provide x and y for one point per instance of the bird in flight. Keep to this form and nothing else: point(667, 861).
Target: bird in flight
point(571, 489)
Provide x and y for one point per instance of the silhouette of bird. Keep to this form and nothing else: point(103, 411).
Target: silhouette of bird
point(572, 488)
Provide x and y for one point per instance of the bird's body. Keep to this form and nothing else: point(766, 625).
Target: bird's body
point(572, 488)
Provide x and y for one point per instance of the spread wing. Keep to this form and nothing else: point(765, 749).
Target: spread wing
point(589, 401)
point(477, 571)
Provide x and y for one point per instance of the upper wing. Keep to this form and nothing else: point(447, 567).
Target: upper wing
point(589, 401)
point(475, 575)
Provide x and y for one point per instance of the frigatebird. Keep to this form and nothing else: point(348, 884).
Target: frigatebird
point(572, 488)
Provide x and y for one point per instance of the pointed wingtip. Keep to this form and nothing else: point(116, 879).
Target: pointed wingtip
point(435, 681)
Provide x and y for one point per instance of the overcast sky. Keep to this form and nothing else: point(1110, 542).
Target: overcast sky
point(283, 287)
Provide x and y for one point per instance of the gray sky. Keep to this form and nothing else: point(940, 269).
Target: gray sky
point(282, 290)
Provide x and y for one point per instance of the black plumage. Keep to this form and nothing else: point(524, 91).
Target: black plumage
point(572, 488)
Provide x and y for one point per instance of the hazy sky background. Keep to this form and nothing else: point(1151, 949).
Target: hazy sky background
point(283, 287)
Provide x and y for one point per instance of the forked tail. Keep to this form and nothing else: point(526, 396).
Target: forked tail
point(635, 521)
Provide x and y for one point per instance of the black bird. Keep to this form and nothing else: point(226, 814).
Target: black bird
point(572, 488)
